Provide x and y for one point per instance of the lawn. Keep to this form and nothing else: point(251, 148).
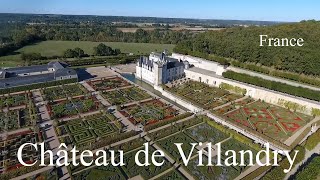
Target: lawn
point(56, 48)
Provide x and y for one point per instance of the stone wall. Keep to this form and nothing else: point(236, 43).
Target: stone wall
point(256, 92)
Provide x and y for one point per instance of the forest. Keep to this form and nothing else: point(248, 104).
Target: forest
point(242, 44)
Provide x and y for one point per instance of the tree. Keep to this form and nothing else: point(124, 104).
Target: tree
point(103, 50)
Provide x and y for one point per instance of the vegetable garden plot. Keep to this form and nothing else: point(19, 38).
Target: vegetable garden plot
point(102, 172)
point(107, 84)
point(64, 91)
point(14, 119)
point(168, 145)
point(174, 174)
point(203, 95)
point(274, 121)
point(14, 100)
point(206, 133)
point(148, 112)
point(9, 148)
point(147, 172)
point(124, 96)
point(233, 106)
point(69, 108)
point(211, 172)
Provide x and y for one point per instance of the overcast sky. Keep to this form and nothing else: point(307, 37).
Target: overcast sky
point(269, 10)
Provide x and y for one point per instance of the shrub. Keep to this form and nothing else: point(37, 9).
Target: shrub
point(273, 85)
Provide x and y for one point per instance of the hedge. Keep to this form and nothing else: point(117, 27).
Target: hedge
point(311, 171)
point(258, 172)
point(273, 85)
point(277, 173)
point(37, 86)
point(111, 59)
point(234, 89)
point(277, 73)
point(313, 141)
point(165, 122)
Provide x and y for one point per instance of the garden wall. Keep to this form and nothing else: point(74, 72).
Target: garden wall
point(255, 92)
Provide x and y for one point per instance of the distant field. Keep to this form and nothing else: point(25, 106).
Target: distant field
point(195, 29)
point(52, 48)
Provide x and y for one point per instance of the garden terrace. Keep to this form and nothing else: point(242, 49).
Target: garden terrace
point(70, 108)
point(201, 94)
point(126, 95)
point(149, 112)
point(10, 146)
point(147, 172)
point(232, 106)
point(64, 91)
point(174, 174)
point(103, 172)
point(273, 121)
point(15, 119)
point(108, 83)
point(211, 172)
point(85, 131)
point(14, 100)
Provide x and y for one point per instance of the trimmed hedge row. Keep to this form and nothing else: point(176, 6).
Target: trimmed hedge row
point(162, 123)
point(273, 85)
point(313, 141)
point(37, 86)
point(111, 59)
point(277, 73)
point(277, 173)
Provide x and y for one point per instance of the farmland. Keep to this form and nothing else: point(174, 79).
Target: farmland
point(56, 48)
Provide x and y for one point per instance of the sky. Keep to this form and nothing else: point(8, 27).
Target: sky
point(265, 10)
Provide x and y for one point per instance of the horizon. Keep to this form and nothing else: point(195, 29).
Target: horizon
point(246, 10)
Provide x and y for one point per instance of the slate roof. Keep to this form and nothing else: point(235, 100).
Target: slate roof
point(27, 69)
point(174, 64)
point(20, 81)
point(65, 72)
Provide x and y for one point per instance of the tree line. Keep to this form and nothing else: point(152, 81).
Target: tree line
point(243, 44)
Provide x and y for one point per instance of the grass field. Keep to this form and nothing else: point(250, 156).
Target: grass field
point(56, 48)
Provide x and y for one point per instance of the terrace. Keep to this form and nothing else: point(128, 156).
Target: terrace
point(126, 95)
point(148, 112)
point(105, 84)
point(274, 121)
point(205, 96)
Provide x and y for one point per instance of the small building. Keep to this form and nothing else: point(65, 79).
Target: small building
point(21, 76)
point(160, 69)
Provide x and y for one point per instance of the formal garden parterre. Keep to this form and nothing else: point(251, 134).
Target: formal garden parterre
point(10, 145)
point(72, 107)
point(14, 100)
point(148, 112)
point(85, 131)
point(125, 95)
point(63, 92)
point(274, 121)
point(201, 94)
point(108, 83)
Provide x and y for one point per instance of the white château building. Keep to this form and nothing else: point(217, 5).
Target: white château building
point(160, 69)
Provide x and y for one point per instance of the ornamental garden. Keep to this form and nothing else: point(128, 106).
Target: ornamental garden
point(125, 95)
point(9, 146)
point(108, 83)
point(203, 95)
point(85, 131)
point(148, 112)
point(273, 121)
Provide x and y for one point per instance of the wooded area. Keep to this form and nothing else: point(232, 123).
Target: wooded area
point(242, 44)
